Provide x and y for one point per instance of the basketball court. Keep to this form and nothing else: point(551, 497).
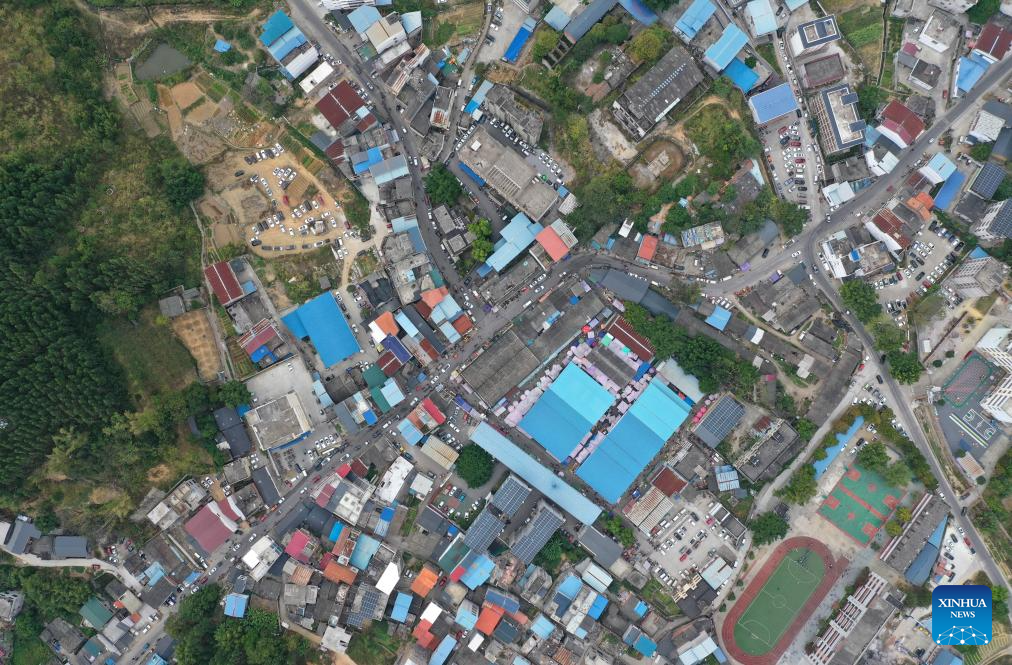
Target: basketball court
point(860, 504)
point(965, 424)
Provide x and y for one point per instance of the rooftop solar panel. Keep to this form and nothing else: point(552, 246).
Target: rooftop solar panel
point(511, 496)
point(485, 529)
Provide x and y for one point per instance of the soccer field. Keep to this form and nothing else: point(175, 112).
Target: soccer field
point(781, 598)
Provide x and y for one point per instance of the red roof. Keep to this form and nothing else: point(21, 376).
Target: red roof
point(297, 545)
point(621, 330)
point(668, 481)
point(425, 638)
point(994, 41)
point(552, 243)
point(431, 408)
point(207, 529)
point(339, 104)
point(462, 324)
point(387, 323)
point(910, 48)
point(223, 282)
point(257, 336)
point(335, 151)
point(326, 492)
point(430, 350)
point(423, 309)
point(488, 619)
point(225, 506)
point(433, 297)
point(901, 120)
point(389, 363)
point(335, 572)
point(887, 221)
point(648, 247)
point(366, 123)
point(360, 469)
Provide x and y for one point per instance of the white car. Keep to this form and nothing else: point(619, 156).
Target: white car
point(796, 254)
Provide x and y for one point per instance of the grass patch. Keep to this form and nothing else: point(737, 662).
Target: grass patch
point(409, 521)
point(374, 646)
point(151, 357)
point(862, 27)
point(983, 305)
point(658, 596)
point(770, 56)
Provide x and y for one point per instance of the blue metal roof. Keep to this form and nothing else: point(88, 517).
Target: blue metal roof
point(645, 646)
point(235, 605)
point(536, 474)
point(760, 13)
point(443, 651)
point(978, 253)
point(641, 609)
point(479, 96)
point(597, 608)
point(570, 586)
point(743, 76)
point(939, 532)
point(918, 571)
point(950, 190)
point(499, 599)
point(363, 17)
point(479, 569)
point(221, 46)
point(794, 4)
point(719, 319)
point(335, 532)
point(542, 626)
point(970, 70)
point(322, 322)
point(395, 346)
point(365, 548)
point(288, 43)
point(471, 174)
point(941, 165)
point(467, 616)
point(277, 25)
point(567, 411)
point(773, 103)
point(694, 18)
point(722, 51)
point(399, 612)
point(557, 18)
point(411, 21)
point(410, 433)
point(634, 441)
point(639, 11)
point(520, 40)
point(588, 18)
point(516, 237)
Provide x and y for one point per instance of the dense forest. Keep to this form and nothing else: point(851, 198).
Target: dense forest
point(94, 224)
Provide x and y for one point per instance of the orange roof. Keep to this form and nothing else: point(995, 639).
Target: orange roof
point(335, 572)
point(922, 205)
point(424, 636)
point(427, 578)
point(433, 297)
point(648, 247)
point(488, 619)
point(386, 323)
point(462, 324)
point(552, 243)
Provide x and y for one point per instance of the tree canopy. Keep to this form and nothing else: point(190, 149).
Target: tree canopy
point(721, 139)
point(768, 528)
point(481, 248)
point(182, 181)
point(905, 367)
point(801, 488)
point(861, 298)
point(474, 465)
point(648, 45)
point(442, 186)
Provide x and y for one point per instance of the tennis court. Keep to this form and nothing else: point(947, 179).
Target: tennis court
point(860, 504)
point(967, 381)
point(779, 601)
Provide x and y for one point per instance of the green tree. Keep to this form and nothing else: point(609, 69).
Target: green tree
point(893, 528)
point(981, 151)
point(482, 246)
point(182, 181)
point(550, 556)
point(721, 139)
point(861, 299)
point(442, 186)
point(768, 528)
point(474, 465)
point(789, 216)
point(869, 98)
point(903, 514)
point(905, 367)
point(805, 428)
point(677, 219)
point(234, 393)
point(648, 45)
point(897, 474)
point(801, 488)
point(545, 41)
point(888, 337)
point(873, 457)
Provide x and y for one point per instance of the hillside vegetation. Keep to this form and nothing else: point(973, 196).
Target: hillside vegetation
point(92, 228)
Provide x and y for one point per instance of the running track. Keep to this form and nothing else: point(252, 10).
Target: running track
point(804, 614)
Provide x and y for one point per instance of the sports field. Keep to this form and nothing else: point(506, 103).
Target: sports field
point(779, 601)
point(860, 504)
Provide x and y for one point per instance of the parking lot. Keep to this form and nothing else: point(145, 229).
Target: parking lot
point(687, 540)
point(792, 160)
point(928, 261)
point(507, 19)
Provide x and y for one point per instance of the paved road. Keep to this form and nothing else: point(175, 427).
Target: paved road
point(864, 203)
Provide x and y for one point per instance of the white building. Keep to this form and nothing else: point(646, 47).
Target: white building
point(392, 482)
point(996, 346)
point(978, 277)
point(346, 5)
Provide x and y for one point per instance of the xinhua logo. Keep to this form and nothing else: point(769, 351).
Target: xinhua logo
point(961, 614)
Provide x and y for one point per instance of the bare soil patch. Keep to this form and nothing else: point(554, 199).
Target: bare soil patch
point(194, 331)
point(662, 160)
point(185, 94)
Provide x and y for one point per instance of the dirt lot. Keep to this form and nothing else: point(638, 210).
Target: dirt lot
point(185, 94)
point(194, 331)
point(661, 161)
point(608, 138)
